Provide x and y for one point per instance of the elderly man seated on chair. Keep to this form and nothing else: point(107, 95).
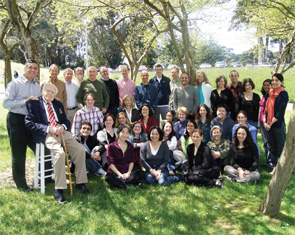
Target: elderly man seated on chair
point(47, 121)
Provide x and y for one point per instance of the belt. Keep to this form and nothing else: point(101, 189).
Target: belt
point(72, 108)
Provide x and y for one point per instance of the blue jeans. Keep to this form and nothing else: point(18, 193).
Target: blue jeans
point(265, 145)
point(253, 123)
point(165, 179)
point(276, 137)
point(94, 166)
point(161, 111)
point(171, 164)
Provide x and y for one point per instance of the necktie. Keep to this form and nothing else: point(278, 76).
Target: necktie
point(51, 116)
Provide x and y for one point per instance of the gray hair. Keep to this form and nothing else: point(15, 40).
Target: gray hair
point(47, 84)
point(30, 62)
point(67, 70)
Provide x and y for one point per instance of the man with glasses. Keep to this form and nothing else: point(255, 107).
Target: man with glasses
point(112, 89)
point(95, 87)
point(162, 83)
point(18, 92)
point(186, 96)
point(61, 87)
point(49, 125)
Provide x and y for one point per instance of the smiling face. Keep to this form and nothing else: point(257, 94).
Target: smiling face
point(92, 73)
point(167, 128)
point(109, 122)
point(241, 135)
point(124, 71)
point(89, 101)
point(221, 83)
point(203, 112)
point(184, 80)
point(155, 136)
point(190, 127)
point(266, 86)
point(104, 72)
point(221, 113)
point(137, 128)
point(31, 71)
point(248, 87)
point(145, 111)
point(145, 77)
point(128, 102)
point(68, 76)
point(181, 116)
point(216, 134)
point(197, 138)
point(174, 74)
point(234, 77)
point(276, 83)
point(159, 71)
point(241, 118)
point(124, 134)
point(54, 71)
point(85, 130)
point(200, 78)
point(49, 92)
point(122, 119)
point(169, 117)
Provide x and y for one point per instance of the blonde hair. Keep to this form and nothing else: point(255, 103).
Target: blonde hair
point(123, 106)
point(117, 119)
point(183, 110)
point(206, 80)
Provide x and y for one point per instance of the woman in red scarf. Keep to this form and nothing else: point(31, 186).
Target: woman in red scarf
point(273, 118)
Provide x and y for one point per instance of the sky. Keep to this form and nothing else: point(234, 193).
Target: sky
point(216, 22)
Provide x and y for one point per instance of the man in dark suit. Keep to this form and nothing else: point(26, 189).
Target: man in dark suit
point(46, 119)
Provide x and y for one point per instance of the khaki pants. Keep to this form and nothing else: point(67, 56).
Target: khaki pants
point(77, 153)
point(71, 114)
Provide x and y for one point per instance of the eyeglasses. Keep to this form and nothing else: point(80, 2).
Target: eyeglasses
point(86, 128)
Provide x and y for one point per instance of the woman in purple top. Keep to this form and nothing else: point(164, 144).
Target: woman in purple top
point(120, 159)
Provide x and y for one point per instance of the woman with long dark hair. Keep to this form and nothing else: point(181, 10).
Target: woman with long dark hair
point(274, 118)
point(244, 157)
point(203, 119)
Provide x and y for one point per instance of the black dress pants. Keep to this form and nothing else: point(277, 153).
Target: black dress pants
point(19, 137)
point(135, 178)
point(202, 177)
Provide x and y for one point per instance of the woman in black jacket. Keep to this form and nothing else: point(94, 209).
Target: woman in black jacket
point(203, 170)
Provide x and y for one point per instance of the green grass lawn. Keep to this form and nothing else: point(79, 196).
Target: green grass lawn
point(177, 209)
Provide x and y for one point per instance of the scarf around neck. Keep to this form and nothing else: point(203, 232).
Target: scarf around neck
point(270, 103)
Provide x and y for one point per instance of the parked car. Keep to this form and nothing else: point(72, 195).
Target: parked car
point(205, 66)
point(143, 67)
point(110, 70)
point(249, 65)
point(236, 64)
point(220, 64)
point(264, 64)
point(118, 69)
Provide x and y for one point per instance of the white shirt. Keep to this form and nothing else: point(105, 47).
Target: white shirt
point(72, 90)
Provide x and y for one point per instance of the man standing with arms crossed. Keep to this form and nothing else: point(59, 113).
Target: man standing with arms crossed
point(17, 93)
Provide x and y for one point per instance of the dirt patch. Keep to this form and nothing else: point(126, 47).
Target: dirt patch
point(6, 175)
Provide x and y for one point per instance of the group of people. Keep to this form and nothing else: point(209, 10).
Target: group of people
point(161, 131)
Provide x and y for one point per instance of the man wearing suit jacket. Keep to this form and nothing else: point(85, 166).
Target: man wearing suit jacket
point(46, 119)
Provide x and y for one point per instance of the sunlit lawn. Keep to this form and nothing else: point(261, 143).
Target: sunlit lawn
point(177, 209)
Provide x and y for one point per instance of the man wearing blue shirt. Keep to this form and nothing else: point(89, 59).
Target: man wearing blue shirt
point(162, 83)
point(17, 94)
point(146, 93)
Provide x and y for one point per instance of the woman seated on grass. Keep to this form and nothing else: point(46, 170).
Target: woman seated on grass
point(137, 138)
point(180, 126)
point(242, 121)
point(244, 157)
point(203, 170)
point(219, 148)
point(146, 119)
point(170, 139)
point(154, 156)
point(120, 157)
point(122, 119)
point(107, 136)
point(128, 107)
point(203, 119)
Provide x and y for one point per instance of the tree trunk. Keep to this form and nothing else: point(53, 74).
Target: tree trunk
point(260, 50)
point(278, 184)
point(8, 74)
